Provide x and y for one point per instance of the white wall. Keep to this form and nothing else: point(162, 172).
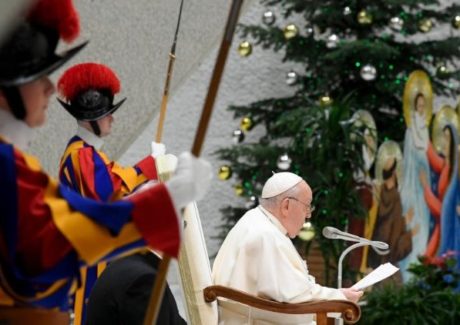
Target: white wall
point(245, 80)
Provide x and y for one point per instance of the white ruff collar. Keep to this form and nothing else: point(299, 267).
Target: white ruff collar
point(89, 137)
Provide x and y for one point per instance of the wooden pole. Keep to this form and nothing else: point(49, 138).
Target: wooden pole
point(156, 297)
point(200, 135)
point(172, 59)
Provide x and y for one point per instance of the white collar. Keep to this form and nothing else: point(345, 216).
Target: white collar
point(89, 137)
point(15, 131)
point(274, 220)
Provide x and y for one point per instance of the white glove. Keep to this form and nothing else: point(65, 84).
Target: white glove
point(191, 180)
point(158, 149)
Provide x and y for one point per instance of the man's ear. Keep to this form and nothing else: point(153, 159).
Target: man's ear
point(284, 207)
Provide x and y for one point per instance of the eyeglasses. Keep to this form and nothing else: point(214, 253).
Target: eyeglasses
point(310, 208)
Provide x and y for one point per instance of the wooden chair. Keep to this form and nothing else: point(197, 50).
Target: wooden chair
point(203, 300)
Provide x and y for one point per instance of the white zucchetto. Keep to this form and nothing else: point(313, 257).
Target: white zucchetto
point(279, 183)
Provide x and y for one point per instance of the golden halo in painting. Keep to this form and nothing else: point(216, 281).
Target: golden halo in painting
point(446, 114)
point(417, 84)
point(388, 150)
point(363, 117)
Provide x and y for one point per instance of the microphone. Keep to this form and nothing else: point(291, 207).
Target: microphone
point(379, 247)
point(334, 233)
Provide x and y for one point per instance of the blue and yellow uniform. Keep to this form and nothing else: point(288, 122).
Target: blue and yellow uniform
point(48, 231)
point(88, 171)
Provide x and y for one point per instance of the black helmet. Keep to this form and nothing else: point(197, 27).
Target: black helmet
point(28, 53)
point(88, 91)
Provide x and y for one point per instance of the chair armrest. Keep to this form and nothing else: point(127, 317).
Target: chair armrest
point(349, 310)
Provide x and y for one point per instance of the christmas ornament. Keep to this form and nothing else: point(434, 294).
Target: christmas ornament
point(364, 17)
point(368, 72)
point(239, 189)
point(442, 71)
point(309, 30)
point(290, 31)
point(307, 232)
point(456, 22)
point(291, 77)
point(346, 11)
point(225, 172)
point(325, 100)
point(245, 49)
point(396, 23)
point(284, 162)
point(238, 136)
point(246, 123)
point(268, 18)
point(332, 41)
point(251, 203)
point(425, 25)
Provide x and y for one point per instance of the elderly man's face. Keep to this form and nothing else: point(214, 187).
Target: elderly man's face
point(298, 209)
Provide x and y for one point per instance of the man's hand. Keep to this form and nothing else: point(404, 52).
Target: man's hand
point(352, 294)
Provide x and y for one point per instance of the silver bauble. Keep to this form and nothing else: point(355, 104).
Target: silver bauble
point(332, 41)
point(291, 77)
point(346, 11)
point(284, 162)
point(268, 18)
point(238, 136)
point(368, 72)
point(396, 23)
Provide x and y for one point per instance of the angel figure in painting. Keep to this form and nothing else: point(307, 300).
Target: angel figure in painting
point(441, 156)
point(418, 97)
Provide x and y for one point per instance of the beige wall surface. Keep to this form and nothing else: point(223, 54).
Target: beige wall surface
point(134, 38)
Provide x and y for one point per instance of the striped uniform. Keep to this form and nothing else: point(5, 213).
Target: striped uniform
point(48, 231)
point(88, 171)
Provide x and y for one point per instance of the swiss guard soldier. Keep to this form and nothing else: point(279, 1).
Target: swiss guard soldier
point(47, 230)
point(88, 91)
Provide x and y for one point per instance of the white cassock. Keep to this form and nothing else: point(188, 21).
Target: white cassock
point(258, 257)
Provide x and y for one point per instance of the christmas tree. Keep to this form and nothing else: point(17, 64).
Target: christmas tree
point(355, 55)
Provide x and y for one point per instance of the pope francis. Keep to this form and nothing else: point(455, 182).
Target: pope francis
point(259, 258)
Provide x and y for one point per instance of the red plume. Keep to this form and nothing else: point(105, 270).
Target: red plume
point(86, 76)
point(60, 15)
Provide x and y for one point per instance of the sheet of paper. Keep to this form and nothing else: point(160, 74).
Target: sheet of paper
point(382, 272)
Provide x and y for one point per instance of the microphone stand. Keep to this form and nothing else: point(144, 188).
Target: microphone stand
point(376, 245)
point(379, 248)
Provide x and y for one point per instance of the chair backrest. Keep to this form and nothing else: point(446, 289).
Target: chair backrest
point(195, 270)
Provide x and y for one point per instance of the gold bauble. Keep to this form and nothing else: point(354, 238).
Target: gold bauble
point(290, 31)
point(364, 17)
point(307, 232)
point(245, 49)
point(425, 25)
point(325, 100)
point(246, 124)
point(456, 22)
point(239, 189)
point(225, 172)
